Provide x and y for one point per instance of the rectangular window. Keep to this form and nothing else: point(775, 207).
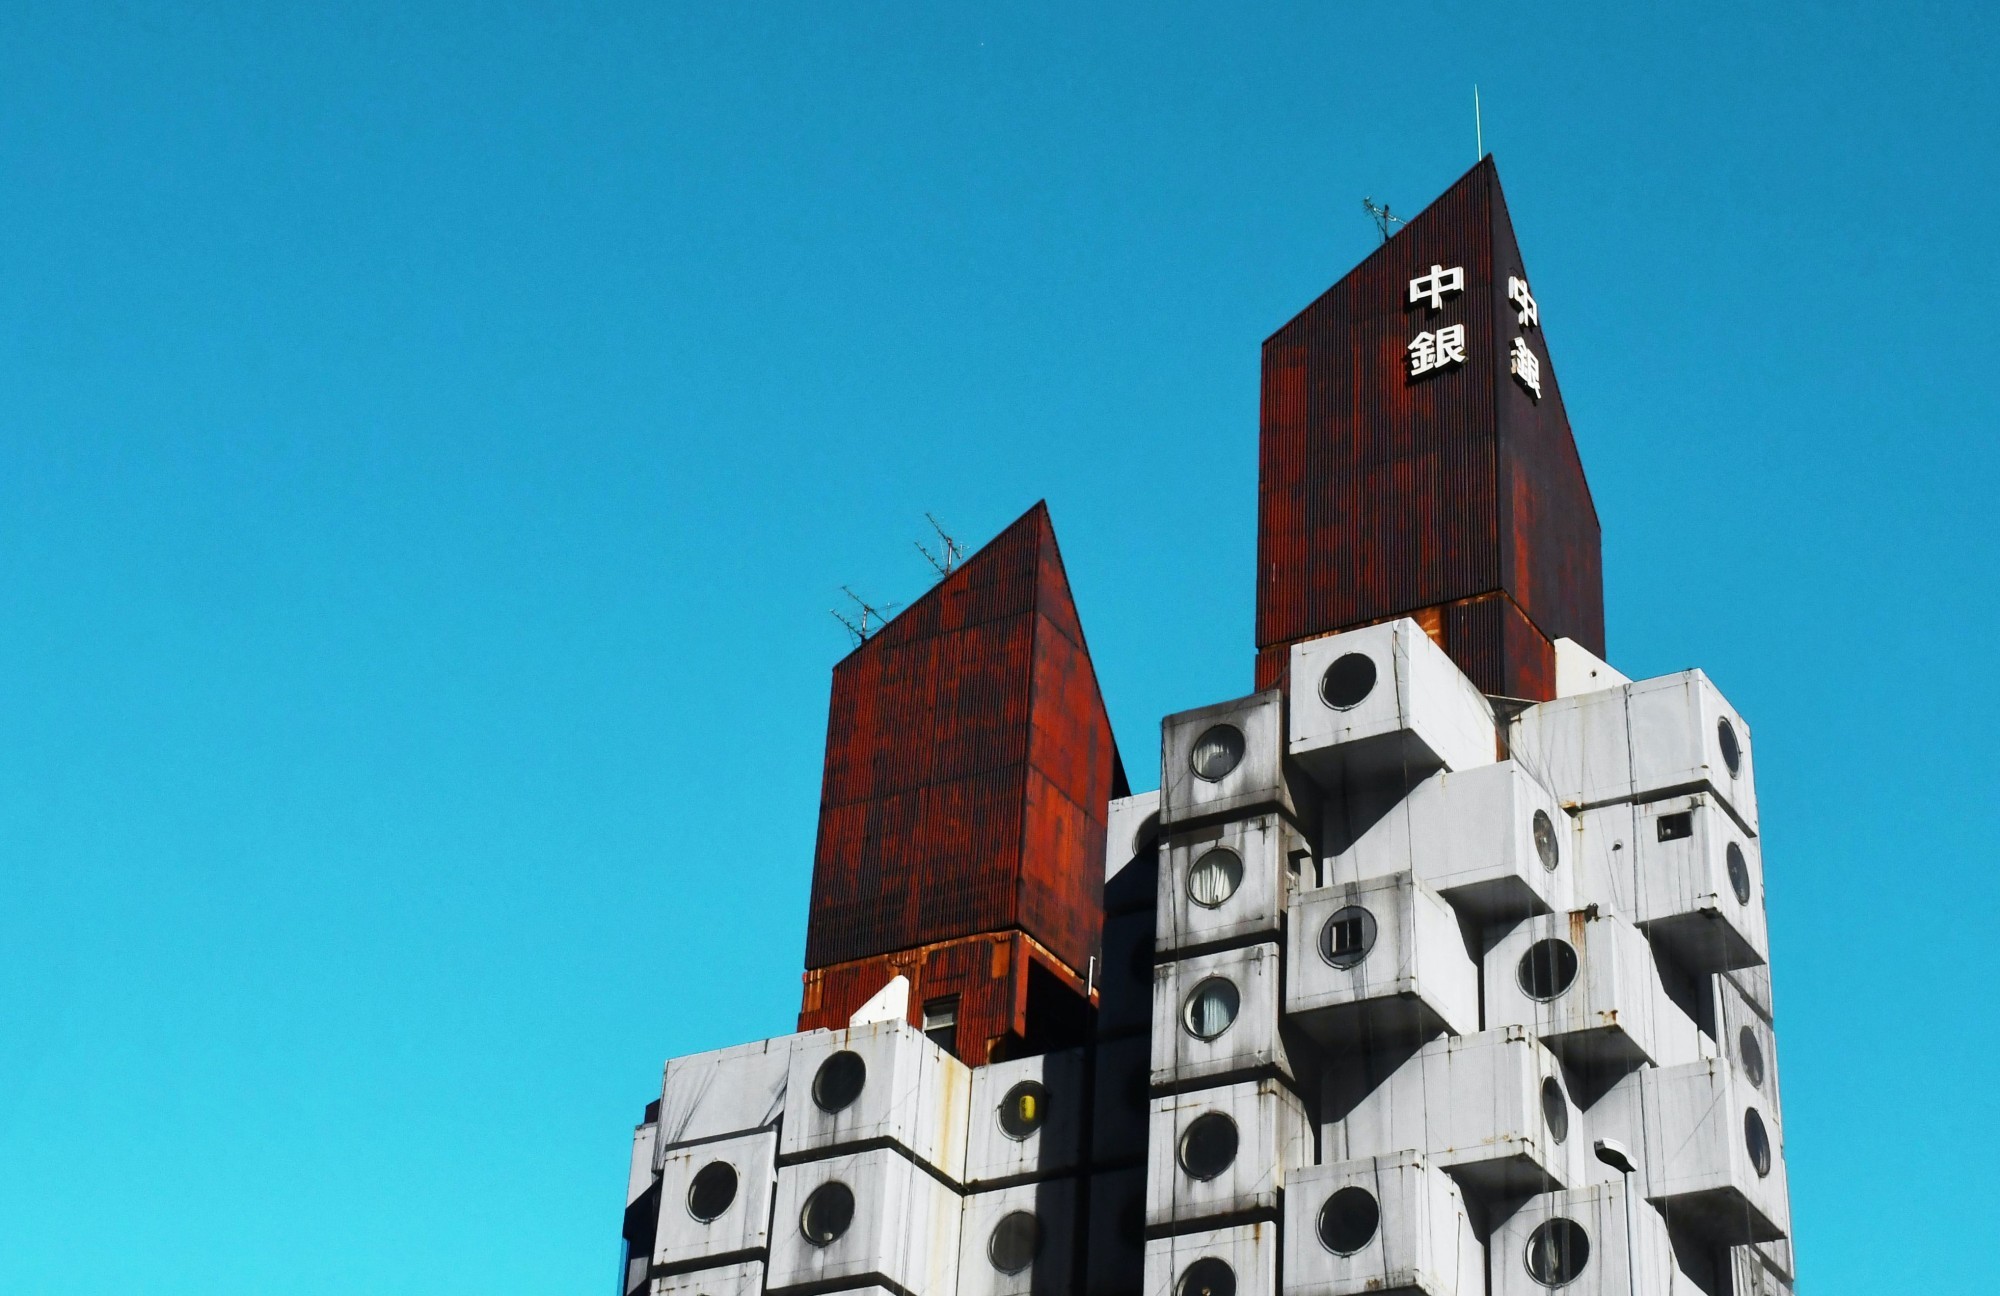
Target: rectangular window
point(1673, 827)
point(941, 1022)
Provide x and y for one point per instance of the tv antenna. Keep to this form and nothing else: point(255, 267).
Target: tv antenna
point(865, 620)
point(949, 554)
point(1385, 220)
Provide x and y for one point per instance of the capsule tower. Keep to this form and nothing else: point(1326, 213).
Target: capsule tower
point(1437, 964)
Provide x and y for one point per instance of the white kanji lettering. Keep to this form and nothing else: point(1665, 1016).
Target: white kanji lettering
point(1436, 284)
point(1517, 292)
point(1527, 368)
point(1437, 350)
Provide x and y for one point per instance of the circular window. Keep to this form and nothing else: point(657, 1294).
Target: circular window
point(1348, 1220)
point(1217, 752)
point(1347, 681)
point(1739, 872)
point(1023, 1110)
point(1732, 753)
point(1014, 1242)
point(1211, 1008)
point(713, 1190)
point(1557, 1252)
point(828, 1212)
point(1208, 1146)
point(1555, 1109)
point(1148, 835)
point(1207, 1276)
point(1751, 1053)
point(1547, 969)
point(1215, 877)
point(1347, 936)
point(838, 1081)
point(1756, 1141)
point(1546, 844)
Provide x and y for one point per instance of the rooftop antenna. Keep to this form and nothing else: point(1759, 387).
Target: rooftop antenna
point(949, 554)
point(1385, 220)
point(867, 618)
point(1478, 131)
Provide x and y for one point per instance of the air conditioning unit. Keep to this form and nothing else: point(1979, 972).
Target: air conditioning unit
point(1700, 884)
point(1115, 1250)
point(745, 1279)
point(1586, 984)
point(1227, 881)
point(1640, 742)
point(1223, 1152)
point(1490, 840)
point(1018, 1241)
point(727, 1091)
point(1380, 1224)
point(715, 1201)
point(1226, 761)
point(1585, 1242)
point(1027, 1118)
point(1124, 974)
point(1384, 701)
point(1491, 1108)
point(866, 1217)
point(1242, 1260)
point(1121, 1101)
point(879, 1082)
point(1377, 962)
point(1216, 1017)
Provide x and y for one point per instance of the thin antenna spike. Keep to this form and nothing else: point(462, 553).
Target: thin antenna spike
point(1478, 130)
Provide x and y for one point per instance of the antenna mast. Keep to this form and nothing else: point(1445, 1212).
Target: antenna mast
point(1385, 220)
point(949, 554)
point(867, 618)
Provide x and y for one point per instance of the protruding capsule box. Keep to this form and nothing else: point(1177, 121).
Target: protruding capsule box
point(1380, 1224)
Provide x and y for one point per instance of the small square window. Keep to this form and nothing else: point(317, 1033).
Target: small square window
point(1673, 827)
point(941, 1022)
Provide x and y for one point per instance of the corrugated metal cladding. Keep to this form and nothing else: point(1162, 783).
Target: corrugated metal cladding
point(969, 760)
point(1380, 494)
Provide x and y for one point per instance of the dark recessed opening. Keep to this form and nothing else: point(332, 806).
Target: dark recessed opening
point(1739, 872)
point(1757, 1142)
point(1547, 969)
point(1014, 1242)
point(713, 1191)
point(1751, 1053)
point(1546, 844)
point(1557, 1252)
point(838, 1081)
point(1209, 1146)
point(828, 1212)
point(941, 1022)
point(1348, 1220)
point(1024, 1109)
point(1674, 827)
point(1347, 936)
point(1348, 681)
point(1555, 1109)
point(1207, 1276)
point(1732, 754)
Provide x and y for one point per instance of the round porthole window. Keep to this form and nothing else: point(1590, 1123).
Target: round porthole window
point(1023, 1110)
point(1739, 872)
point(1207, 1276)
point(1215, 877)
point(1757, 1142)
point(1555, 1109)
point(1751, 1053)
point(1148, 835)
point(1546, 845)
point(1210, 1008)
point(1557, 1252)
point(1547, 969)
point(838, 1081)
point(1209, 1146)
point(1348, 681)
point(1348, 1220)
point(1217, 752)
point(1347, 936)
point(829, 1210)
point(1732, 752)
point(1014, 1241)
point(713, 1191)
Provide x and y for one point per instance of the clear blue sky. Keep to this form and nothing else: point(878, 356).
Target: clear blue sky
point(434, 435)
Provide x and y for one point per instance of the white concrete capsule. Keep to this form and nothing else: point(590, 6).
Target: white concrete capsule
point(1586, 985)
point(1377, 962)
point(1700, 884)
point(1489, 839)
point(1753, 1274)
point(1225, 761)
point(1715, 1153)
point(1584, 1243)
point(1242, 1259)
point(867, 1217)
point(1027, 1118)
point(1579, 670)
point(1748, 1040)
point(726, 1091)
point(1384, 700)
point(1124, 974)
point(881, 1081)
point(1223, 1152)
point(1217, 1016)
point(742, 1279)
point(643, 1171)
point(1019, 1241)
point(715, 1200)
point(1380, 1224)
point(1227, 881)
point(1131, 853)
point(1492, 1108)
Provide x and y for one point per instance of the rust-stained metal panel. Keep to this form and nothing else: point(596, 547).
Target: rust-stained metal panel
point(969, 762)
point(1381, 494)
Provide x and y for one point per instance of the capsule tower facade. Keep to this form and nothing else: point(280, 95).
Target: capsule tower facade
point(1437, 964)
